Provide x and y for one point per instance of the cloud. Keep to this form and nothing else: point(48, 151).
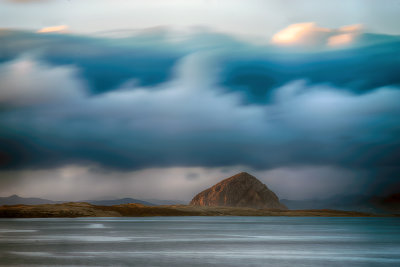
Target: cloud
point(191, 121)
point(340, 39)
point(300, 33)
point(254, 71)
point(309, 34)
point(346, 35)
point(279, 111)
point(355, 68)
point(351, 28)
point(167, 118)
point(26, 82)
point(148, 58)
point(54, 29)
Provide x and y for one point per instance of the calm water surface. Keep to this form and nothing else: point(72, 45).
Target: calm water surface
point(200, 241)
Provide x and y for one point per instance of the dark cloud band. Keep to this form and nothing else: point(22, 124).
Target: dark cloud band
point(151, 104)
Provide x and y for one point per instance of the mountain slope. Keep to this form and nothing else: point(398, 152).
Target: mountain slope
point(17, 200)
point(14, 200)
point(240, 190)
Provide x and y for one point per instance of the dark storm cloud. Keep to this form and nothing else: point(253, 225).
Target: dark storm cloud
point(105, 64)
point(146, 102)
point(372, 62)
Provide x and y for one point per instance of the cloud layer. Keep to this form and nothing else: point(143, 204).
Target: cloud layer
point(125, 105)
point(190, 120)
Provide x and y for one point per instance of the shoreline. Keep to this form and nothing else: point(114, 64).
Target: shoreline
point(82, 209)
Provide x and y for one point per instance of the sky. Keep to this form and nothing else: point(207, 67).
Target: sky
point(162, 99)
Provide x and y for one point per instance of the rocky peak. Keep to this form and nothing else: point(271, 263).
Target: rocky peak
point(240, 190)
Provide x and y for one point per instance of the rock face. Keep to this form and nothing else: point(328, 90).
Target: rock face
point(240, 190)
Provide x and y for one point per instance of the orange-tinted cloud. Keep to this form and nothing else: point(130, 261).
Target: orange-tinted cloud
point(298, 33)
point(351, 28)
point(340, 39)
point(309, 33)
point(59, 28)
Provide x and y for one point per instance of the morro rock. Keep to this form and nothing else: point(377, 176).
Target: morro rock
point(240, 190)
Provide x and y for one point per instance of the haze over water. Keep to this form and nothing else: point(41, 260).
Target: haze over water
point(200, 241)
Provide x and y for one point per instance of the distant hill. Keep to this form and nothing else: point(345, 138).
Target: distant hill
point(165, 201)
point(120, 201)
point(14, 200)
point(240, 190)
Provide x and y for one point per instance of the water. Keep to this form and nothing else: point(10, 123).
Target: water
point(200, 241)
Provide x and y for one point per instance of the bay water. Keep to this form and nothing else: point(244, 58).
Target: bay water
point(200, 241)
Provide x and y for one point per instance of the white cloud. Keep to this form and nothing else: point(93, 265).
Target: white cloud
point(325, 109)
point(25, 82)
